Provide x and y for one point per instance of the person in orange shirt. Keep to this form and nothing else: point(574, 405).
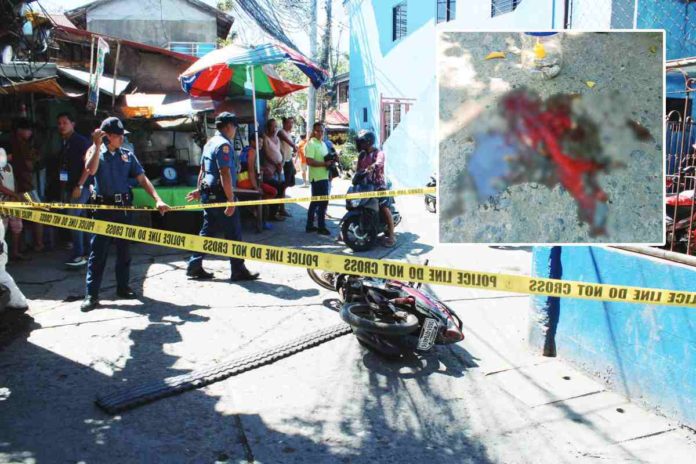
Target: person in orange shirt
point(247, 177)
point(301, 160)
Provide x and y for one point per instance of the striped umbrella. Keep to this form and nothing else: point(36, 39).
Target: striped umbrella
point(235, 71)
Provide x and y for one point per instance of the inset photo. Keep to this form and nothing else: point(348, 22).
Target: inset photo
point(551, 137)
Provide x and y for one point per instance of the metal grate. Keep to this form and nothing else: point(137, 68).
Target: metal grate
point(499, 7)
point(600, 14)
point(399, 21)
point(681, 182)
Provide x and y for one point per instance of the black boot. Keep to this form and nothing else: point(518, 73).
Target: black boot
point(89, 303)
point(199, 274)
point(244, 274)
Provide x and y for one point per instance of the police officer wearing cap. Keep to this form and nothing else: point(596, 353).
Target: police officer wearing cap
point(216, 180)
point(112, 165)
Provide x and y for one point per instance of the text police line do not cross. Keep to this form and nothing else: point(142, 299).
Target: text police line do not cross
point(367, 267)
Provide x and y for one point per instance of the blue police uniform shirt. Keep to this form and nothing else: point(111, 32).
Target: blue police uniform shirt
point(218, 153)
point(114, 171)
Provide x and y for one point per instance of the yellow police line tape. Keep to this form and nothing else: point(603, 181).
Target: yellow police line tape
point(198, 206)
point(364, 266)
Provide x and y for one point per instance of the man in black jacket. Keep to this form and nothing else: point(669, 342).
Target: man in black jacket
point(73, 180)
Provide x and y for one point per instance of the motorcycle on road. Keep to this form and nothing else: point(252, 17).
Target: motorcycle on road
point(391, 317)
point(363, 222)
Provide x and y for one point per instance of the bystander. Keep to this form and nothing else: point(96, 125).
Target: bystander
point(74, 180)
point(25, 158)
point(315, 153)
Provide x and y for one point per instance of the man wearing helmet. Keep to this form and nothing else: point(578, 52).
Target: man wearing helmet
point(372, 159)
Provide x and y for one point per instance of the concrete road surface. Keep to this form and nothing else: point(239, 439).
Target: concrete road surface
point(485, 400)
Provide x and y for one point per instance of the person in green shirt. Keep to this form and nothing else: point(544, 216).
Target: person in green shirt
point(315, 151)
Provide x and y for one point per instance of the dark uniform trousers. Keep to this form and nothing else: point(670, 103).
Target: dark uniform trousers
point(99, 250)
point(214, 221)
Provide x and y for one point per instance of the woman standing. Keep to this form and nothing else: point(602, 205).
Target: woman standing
point(247, 178)
point(272, 168)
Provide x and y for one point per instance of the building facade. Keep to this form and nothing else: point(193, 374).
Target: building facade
point(185, 26)
point(393, 57)
point(392, 67)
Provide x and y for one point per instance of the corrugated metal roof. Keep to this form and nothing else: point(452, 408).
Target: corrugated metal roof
point(106, 83)
point(69, 31)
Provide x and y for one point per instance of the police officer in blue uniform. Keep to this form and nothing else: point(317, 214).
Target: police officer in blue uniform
point(112, 165)
point(216, 180)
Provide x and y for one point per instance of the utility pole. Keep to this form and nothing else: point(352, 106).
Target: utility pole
point(312, 96)
point(326, 53)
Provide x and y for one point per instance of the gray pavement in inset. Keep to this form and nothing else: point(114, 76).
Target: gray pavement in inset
point(487, 399)
point(627, 71)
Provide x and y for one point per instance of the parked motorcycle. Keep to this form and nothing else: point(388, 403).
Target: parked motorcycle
point(363, 222)
point(392, 317)
point(681, 217)
point(430, 198)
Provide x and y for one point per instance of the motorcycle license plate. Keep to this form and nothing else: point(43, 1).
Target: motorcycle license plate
point(428, 334)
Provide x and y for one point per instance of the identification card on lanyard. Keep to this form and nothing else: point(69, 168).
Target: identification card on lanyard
point(63, 175)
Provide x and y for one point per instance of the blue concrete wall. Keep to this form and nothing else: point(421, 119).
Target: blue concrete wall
point(645, 352)
point(677, 18)
point(410, 149)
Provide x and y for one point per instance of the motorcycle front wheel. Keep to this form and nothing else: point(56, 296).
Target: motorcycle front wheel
point(363, 316)
point(324, 279)
point(430, 204)
point(357, 238)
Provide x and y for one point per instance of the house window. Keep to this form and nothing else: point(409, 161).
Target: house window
point(446, 10)
point(392, 110)
point(499, 7)
point(399, 21)
point(364, 114)
point(342, 92)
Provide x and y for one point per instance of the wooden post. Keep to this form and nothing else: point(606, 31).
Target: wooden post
point(91, 68)
point(118, 53)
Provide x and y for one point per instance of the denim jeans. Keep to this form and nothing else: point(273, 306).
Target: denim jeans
point(214, 220)
point(99, 250)
point(318, 208)
point(78, 237)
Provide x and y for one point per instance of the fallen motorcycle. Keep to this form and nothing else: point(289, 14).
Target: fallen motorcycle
point(391, 317)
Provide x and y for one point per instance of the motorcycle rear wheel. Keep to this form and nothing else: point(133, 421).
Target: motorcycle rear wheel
point(323, 278)
point(356, 237)
point(362, 316)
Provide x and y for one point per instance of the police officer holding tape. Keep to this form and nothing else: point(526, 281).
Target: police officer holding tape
point(112, 165)
point(216, 180)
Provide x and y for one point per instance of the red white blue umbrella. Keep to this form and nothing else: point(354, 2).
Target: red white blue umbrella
point(234, 71)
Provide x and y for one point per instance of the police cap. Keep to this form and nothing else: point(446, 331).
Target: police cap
point(226, 117)
point(113, 125)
